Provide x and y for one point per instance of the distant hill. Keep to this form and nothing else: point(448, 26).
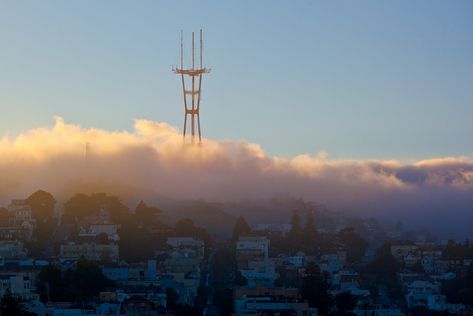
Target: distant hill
point(278, 209)
point(210, 216)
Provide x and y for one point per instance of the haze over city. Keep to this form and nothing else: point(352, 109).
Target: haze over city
point(370, 112)
point(236, 158)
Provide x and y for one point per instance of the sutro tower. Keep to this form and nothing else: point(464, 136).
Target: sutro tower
point(192, 105)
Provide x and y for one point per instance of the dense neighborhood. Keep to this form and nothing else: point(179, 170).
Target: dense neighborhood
point(92, 255)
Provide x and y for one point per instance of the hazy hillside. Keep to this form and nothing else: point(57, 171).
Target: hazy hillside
point(210, 216)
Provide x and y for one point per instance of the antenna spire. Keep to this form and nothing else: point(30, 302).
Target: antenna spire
point(182, 51)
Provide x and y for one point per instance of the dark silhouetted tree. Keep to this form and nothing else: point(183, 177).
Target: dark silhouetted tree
point(171, 298)
point(135, 244)
point(385, 268)
point(11, 305)
point(424, 311)
point(240, 280)
point(458, 250)
point(309, 228)
point(50, 284)
point(470, 277)
point(241, 228)
point(147, 215)
point(293, 242)
point(101, 238)
point(119, 212)
point(42, 205)
point(223, 300)
point(185, 228)
point(345, 302)
point(355, 245)
point(86, 280)
point(460, 288)
point(223, 267)
point(42, 208)
point(296, 223)
point(315, 288)
point(4, 217)
point(465, 296)
point(203, 292)
point(80, 206)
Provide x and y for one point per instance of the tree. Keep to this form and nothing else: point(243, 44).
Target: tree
point(10, 305)
point(240, 280)
point(465, 296)
point(355, 245)
point(171, 298)
point(203, 292)
point(82, 205)
point(309, 228)
point(140, 207)
point(223, 267)
point(146, 215)
point(296, 223)
point(101, 238)
point(79, 206)
point(424, 311)
point(42, 205)
point(50, 283)
point(288, 277)
point(42, 209)
point(185, 228)
point(294, 236)
point(4, 216)
point(86, 280)
point(345, 302)
point(460, 288)
point(315, 288)
point(135, 244)
point(459, 250)
point(223, 300)
point(385, 268)
point(241, 228)
point(119, 212)
point(384, 264)
point(470, 276)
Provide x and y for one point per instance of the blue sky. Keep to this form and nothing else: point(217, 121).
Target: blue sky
point(358, 79)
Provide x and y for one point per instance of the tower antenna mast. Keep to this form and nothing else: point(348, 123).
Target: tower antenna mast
point(192, 108)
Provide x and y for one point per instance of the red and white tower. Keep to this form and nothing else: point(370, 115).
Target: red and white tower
point(192, 104)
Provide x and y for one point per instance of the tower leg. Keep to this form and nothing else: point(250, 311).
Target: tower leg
point(193, 93)
point(185, 125)
point(198, 125)
point(193, 128)
point(185, 99)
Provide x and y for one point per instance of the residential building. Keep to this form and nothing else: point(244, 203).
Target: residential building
point(12, 249)
point(251, 249)
point(187, 243)
point(17, 285)
point(266, 301)
point(91, 251)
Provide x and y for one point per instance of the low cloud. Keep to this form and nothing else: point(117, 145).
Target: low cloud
point(152, 159)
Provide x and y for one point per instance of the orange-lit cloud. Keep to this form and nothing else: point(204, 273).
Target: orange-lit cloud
point(152, 159)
